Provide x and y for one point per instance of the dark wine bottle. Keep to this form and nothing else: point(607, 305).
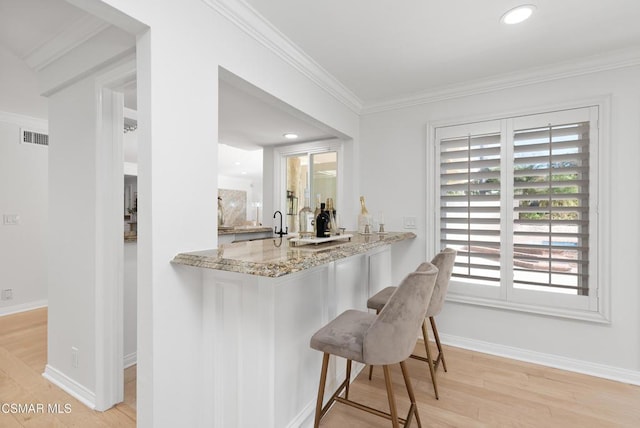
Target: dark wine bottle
point(322, 223)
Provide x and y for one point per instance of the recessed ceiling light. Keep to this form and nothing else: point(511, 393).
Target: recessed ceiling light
point(290, 136)
point(518, 14)
point(244, 173)
point(236, 163)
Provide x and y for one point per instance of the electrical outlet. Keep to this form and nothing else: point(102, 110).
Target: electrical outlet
point(74, 357)
point(7, 294)
point(409, 222)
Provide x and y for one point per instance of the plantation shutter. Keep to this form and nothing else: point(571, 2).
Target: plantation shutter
point(551, 208)
point(470, 205)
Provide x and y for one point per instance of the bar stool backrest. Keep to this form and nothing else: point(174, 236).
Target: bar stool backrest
point(444, 261)
point(393, 335)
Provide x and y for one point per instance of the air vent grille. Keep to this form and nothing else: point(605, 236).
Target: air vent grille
point(33, 137)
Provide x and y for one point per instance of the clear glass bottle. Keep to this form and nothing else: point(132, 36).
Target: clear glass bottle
point(316, 212)
point(364, 219)
point(331, 210)
point(305, 216)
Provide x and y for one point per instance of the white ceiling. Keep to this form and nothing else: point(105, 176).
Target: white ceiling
point(383, 49)
point(378, 49)
point(26, 25)
point(250, 118)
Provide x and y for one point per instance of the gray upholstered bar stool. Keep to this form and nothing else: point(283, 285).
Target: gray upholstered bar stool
point(383, 339)
point(444, 261)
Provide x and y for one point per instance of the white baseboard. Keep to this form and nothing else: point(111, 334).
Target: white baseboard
point(130, 360)
point(14, 309)
point(555, 361)
point(70, 386)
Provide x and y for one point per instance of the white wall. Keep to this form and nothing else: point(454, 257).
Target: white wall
point(19, 87)
point(23, 187)
point(23, 192)
point(72, 256)
point(394, 142)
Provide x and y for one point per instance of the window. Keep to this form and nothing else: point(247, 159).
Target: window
point(517, 200)
point(307, 170)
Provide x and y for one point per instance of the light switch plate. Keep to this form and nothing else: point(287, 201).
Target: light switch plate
point(10, 219)
point(409, 222)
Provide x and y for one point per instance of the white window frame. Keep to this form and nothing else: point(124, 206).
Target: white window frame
point(280, 155)
point(595, 307)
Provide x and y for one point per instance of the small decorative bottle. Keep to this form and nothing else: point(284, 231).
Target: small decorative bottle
point(316, 213)
point(220, 212)
point(322, 223)
point(364, 219)
point(305, 216)
point(333, 225)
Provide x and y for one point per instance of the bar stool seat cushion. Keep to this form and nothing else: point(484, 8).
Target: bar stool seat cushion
point(344, 336)
point(380, 299)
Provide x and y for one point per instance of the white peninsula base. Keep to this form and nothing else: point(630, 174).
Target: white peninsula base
point(257, 330)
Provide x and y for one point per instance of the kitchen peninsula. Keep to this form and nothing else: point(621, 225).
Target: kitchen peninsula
point(262, 302)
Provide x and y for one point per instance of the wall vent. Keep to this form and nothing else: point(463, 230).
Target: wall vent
point(33, 137)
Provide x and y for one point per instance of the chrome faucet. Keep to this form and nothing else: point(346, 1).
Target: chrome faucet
point(275, 229)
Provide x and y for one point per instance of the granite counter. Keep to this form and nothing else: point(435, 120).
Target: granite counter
point(277, 257)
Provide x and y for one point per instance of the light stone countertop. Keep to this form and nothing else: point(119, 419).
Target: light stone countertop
point(274, 257)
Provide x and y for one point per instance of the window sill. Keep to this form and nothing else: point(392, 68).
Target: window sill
point(582, 315)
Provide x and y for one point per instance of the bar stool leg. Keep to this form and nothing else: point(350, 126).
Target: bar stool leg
point(390, 396)
point(370, 366)
point(437, 337)
point(323, 381)
point(348, 379)
point(432, 370)
point(412, 397)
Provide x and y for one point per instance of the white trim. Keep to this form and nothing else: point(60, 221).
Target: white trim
point(130, 113)
point(593, 64)
point(549, 360)
point(130, 168)
point(130, 360)
point(247, 19)
point(577, 314)
point(23, 307)
point(70, 386)
point(280, 167)
point(70, 38)
point(109, 245)
point(23, 121)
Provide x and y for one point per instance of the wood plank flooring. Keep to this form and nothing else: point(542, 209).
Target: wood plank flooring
point(481, 390)
point(478, 391)
point(23, 356)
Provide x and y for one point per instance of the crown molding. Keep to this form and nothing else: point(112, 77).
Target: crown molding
point(255, 25)
point(24, 121)
point(588, 65)
point(68, 39)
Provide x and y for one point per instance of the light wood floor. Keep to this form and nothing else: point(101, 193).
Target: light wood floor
point(481, 390)
point(23, 355)
point(478, 391)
